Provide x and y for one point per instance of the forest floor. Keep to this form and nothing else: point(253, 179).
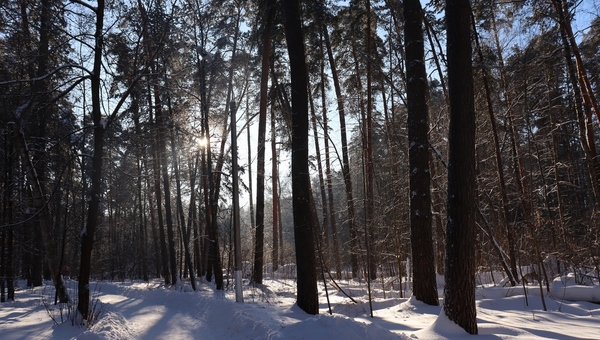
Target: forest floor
point(149, 310)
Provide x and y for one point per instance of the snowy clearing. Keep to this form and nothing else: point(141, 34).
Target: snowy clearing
point(140, 310)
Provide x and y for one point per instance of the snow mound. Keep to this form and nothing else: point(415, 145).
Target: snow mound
point(110, 325)
point(564, 288)
point(442, 328)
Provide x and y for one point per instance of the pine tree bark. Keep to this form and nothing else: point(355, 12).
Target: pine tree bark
point(307, 297)
point(424, 280)
point(459, 292)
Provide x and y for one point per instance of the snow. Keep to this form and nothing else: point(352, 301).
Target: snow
point(149, 310)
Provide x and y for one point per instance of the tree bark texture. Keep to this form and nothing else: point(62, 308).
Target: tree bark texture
point(459, 292)
point(307, 296)
point(424, 280)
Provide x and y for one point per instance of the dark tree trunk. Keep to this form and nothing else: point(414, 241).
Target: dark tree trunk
point(369, 165)
point(161, 226)
point(143, 220)
point(7, 218)
point(249, 169)
point(424, 286)
point(345, 157)
point(185, 229)
point(520, 175)
point(512, 271)
point(162, 127)
point(274, 184)
point(324, 232)
point(156, 147)
point(153, 220)
point(329, 182)
point(459, 292)
point(583, 102)
point(307, 298)
point(193, 219)
point(87, 235)
point(212, 185)
point(206, 262)
point(259, 238)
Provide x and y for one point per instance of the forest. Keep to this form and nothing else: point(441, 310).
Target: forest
point(195, 140)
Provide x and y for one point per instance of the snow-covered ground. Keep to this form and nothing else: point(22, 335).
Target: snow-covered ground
point(140, 310)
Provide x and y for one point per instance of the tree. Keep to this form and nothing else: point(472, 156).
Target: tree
point(268, 10)
point(345, 152)
point(87, 235)
point(100, 125)
point(275, 188)
point(459, 292)
point(307, 297)
point(425, 285)
point(156, 143)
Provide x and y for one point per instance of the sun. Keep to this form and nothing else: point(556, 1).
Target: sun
point(202, 142)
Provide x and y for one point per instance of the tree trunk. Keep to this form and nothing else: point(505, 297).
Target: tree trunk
point(589, 100)
point(331, 209)
point(162, 151)
point(512, 271)
point(583, 108)
point(156, 147)
point(425, 285)
point(161, 226)
point(185, 228)
point(214, 253)
point(459, 292)
point(262, 128)
point(143, 220)
point(7, 218)
point(369, 166)
point(345, 157)
point(153, 219)
point(307, 295)
point(87, 235)
point(274, 184)
point(206, 249)
point(249, 169)
point(324, 233)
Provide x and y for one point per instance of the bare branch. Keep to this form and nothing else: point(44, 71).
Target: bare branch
point(47, 75)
